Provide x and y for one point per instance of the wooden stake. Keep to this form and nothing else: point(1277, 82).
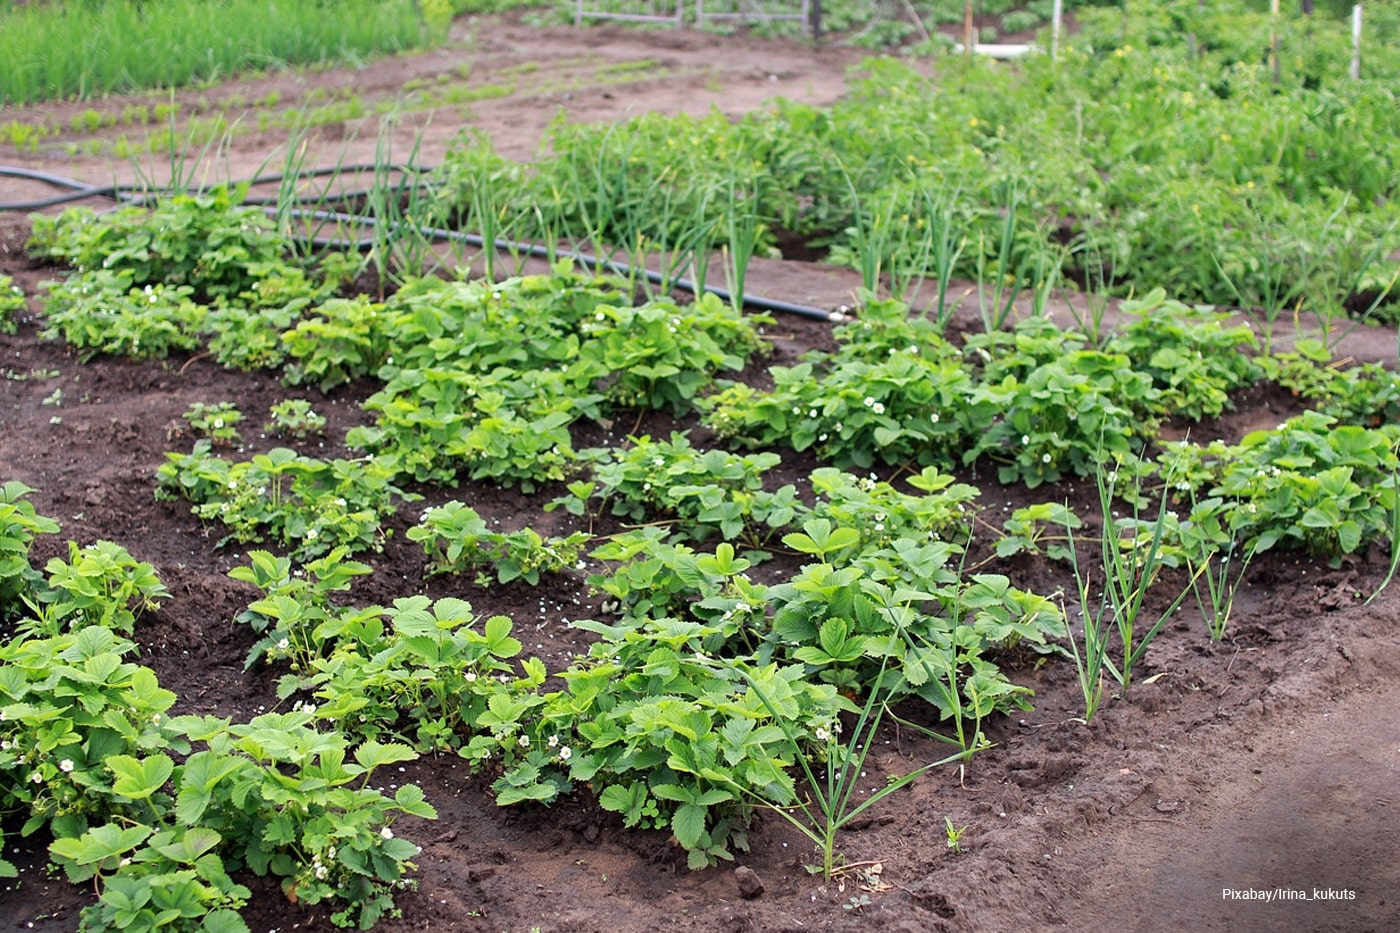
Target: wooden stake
point(967, 27)
point(1057, 13)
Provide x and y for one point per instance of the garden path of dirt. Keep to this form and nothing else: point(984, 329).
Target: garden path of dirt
point(1265, 762)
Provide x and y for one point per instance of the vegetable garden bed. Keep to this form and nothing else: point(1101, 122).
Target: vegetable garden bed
point(718, 581)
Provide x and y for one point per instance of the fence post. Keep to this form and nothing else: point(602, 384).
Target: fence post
point(1057, 13)
point(816, 20)
point(1356, 42)
point(967, 28)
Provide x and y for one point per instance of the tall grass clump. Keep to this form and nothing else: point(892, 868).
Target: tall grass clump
point(83, 49)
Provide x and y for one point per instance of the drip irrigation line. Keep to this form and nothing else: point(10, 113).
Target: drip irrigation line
point(78, 191)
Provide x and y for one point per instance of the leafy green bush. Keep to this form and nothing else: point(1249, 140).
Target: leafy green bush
point(1311, 484)
point(103, 312)
point(19, 524)
point(205, 243)
point(12, 301)
point(455, 538)
point(695, 492)
point(1193, 358)
point(660, 355)
point(895, 392)
point(303, 503)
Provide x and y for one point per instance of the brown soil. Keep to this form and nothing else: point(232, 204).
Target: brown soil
point(1266, 762)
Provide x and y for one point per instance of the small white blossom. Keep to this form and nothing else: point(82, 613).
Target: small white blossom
point(553, 741)
point(36, 778)
point(524, 741)
point(566, 753)
point(469, 677)
point(822, 735)
point(66, 766)
point(1025, 440)
point(386, 833)
point(935, 417)
point(283, 644)
point(1045, 458)
point(878, 408)
point(869, 401)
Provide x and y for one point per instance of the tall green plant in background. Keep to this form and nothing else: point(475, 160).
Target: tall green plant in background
point(76, 49)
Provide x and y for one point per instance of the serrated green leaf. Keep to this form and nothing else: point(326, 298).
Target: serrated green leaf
point(688, 824)
point(411, 799)
point(372, 754)
point(223, 921)
point(137, 778)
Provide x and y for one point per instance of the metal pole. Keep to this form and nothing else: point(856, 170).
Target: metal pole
point(1356, 42)
point(1273, 41)
point(967, 28)
point(1057, 13)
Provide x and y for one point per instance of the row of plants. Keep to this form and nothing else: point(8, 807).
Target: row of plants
point(484, 380)
point(158, 812)
point(1131, 161)
point(80, 49)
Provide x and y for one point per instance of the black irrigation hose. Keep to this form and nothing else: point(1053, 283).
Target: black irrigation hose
point(128, 193)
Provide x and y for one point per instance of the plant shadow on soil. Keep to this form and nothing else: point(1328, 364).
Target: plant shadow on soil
point(1263, 762)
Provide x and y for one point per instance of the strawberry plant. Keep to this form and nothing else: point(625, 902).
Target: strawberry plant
point(294, 418)
point(455, 538)
point(105, 312)
point(101, 584)
point(427, 670)
point(903, 408)
point(19, 524)
point(296, 802)
point(660, 355)
point(1063, 417)
point(70, 704)
point(295, 615)
point(205, 243)
point(12, 302)
point(339, 341)
point(1193, 358)
point(1311, 484)
point(523, 323)
point(696, 492)
point(215, 422)
point(880, 515)
point(303, 503)
point(245, 330)
point(1028, 530)
point(656, 579)
point(508, 426)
